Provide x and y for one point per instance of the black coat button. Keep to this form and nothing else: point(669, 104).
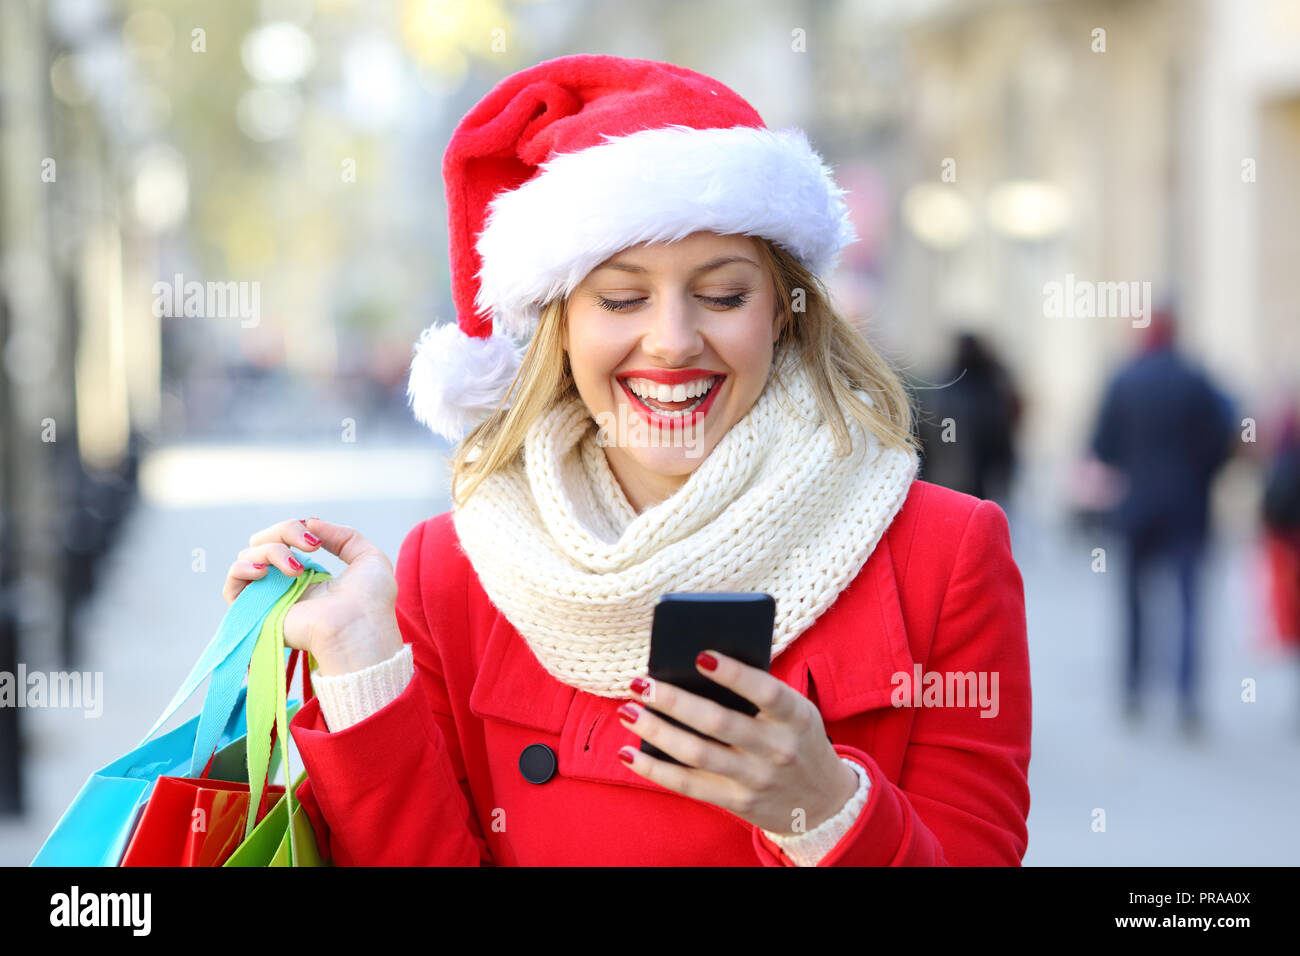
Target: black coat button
point(537, 763)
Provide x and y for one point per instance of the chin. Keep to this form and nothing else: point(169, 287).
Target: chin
point(673, 462)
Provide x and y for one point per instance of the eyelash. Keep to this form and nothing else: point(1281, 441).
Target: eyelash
point(730, 302)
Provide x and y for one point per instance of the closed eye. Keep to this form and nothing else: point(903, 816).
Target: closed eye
point(728, 302)
point(623, 305)
point(617, 305)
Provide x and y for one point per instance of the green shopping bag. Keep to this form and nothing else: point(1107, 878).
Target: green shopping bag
point(268, 844)
point(284, 836)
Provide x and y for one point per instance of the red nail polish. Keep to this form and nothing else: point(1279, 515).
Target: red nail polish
point(707, 661)
point(640, 685)
point(259, 566)
point(625, 754)
point(630, 712)
point(295, 563)
point(311, 538)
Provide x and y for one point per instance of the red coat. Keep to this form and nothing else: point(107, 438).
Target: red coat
point(434, 777)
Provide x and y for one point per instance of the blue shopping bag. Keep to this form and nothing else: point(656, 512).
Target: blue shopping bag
point(95, 828)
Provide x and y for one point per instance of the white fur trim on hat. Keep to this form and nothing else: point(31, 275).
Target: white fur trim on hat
point(657, 185)
point(457, 380)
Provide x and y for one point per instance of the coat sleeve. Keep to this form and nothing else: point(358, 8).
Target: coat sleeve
point(393, 789)
point(962, 797)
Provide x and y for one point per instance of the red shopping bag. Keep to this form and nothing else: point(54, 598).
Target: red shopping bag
point(1282, 563)
point(193, 822)
point(201, 822)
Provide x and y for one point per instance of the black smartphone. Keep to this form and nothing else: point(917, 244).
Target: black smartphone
point(738, 624)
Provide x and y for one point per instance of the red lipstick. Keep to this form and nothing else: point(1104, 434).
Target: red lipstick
point(657, 419)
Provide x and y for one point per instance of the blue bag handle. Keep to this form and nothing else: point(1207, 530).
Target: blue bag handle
point(226, 660)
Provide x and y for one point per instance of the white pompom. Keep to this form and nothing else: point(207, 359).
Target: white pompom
point(457, 380)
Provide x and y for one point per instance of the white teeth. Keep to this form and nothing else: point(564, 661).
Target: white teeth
point(646, 389)
point(670, 393)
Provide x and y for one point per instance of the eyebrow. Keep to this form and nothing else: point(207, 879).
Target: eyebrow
point(711, 264)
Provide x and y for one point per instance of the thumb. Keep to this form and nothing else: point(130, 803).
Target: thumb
point(345, 543)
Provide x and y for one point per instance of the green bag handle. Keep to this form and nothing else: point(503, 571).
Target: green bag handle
point(267, 703)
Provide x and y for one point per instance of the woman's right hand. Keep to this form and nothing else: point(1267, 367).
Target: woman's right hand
point(347, 622)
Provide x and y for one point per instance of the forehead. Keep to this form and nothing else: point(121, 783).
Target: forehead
point(691, 252)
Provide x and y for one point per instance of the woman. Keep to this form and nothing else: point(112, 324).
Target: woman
point(690, 415)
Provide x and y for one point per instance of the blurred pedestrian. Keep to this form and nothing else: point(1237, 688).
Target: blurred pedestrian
point(970, 424)
point(1167, 429)
point(1280, 527)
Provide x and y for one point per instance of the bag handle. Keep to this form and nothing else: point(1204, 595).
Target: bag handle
point(268, 702)
point(226, 659)
point(307, 692)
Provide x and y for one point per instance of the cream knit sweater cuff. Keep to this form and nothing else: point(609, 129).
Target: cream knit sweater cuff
point(808, 849)
point(347, 699)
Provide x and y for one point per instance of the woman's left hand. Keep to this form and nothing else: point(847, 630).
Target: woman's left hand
point(776, 770)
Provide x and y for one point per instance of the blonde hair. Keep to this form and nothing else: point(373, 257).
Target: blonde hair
point(838, 357)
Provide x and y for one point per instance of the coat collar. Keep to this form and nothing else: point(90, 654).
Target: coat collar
point(851, 653)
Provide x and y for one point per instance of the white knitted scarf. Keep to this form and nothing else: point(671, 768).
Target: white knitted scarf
point(563, 555)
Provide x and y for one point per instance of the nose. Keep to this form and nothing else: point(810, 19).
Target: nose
point(672, 333)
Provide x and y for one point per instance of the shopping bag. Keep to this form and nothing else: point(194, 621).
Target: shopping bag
point(268, 844)
point(268, 718)
point(201, 821)
point(300, 849)
point(1281, 559)
point(97, 825)
point(210, 814)
point(216, 806)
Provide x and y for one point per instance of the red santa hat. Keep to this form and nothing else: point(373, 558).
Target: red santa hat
point(565, 164)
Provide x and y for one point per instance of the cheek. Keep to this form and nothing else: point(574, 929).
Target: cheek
point(748, 344)
point(595, 347)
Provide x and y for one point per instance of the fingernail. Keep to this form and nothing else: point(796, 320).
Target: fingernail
point(639, 685)
point(630, 712)
point(258, 566)
point(311, 538)
point(295, 563)
point(707, 661)
point(625, 754)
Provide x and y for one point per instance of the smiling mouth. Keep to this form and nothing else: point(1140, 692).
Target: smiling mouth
point(673, 414)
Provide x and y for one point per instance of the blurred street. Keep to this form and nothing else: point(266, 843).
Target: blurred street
point(1228, 799)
